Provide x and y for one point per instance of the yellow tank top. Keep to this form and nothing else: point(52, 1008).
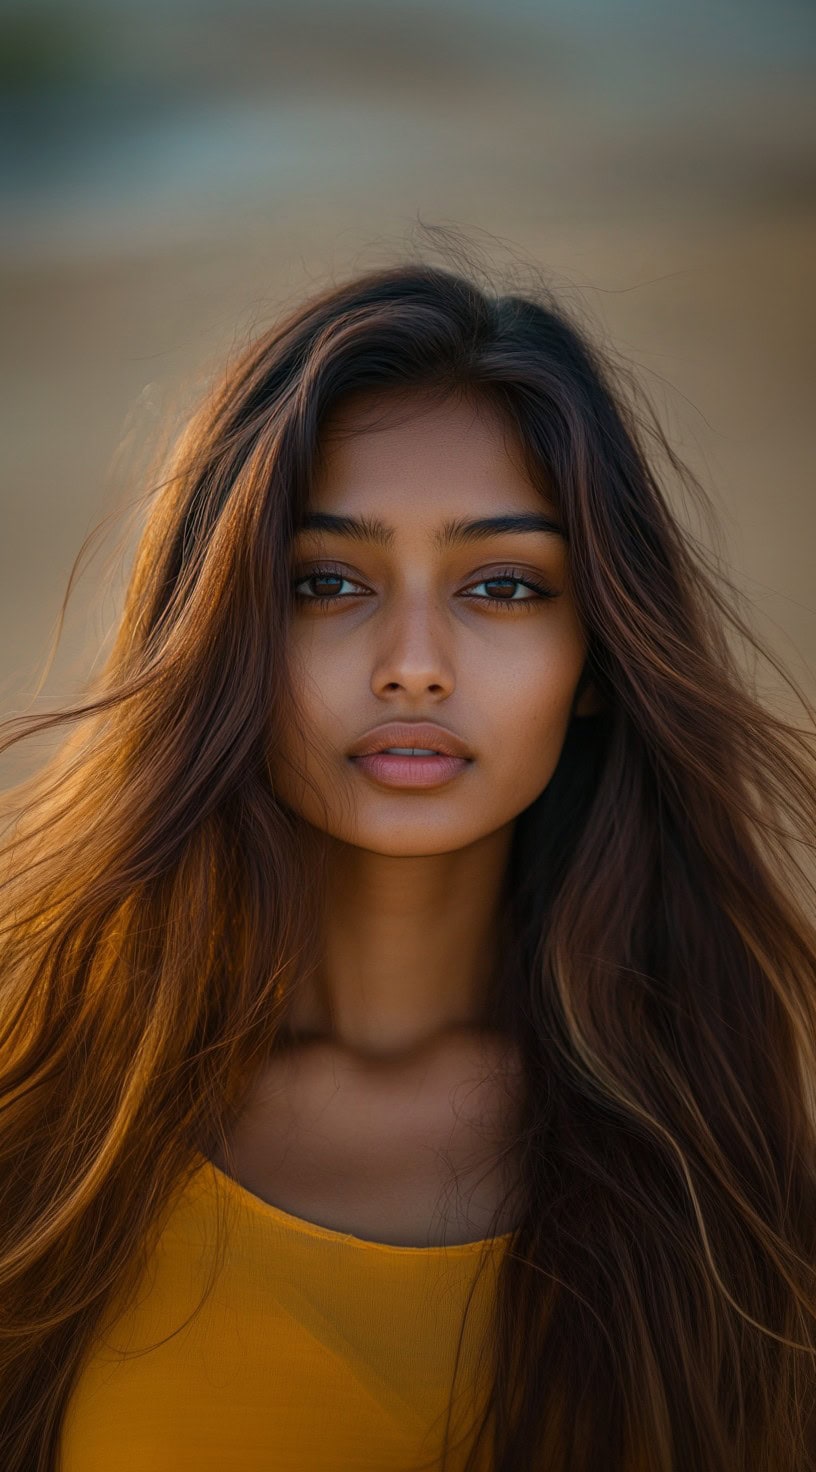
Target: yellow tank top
point(316, 1351)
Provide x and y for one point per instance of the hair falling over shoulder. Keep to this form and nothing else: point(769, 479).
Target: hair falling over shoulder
point(657, 1308)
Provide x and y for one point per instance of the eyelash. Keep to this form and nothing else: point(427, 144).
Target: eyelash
point(506, 575)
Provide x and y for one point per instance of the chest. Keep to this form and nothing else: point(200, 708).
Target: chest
point(415, 1157)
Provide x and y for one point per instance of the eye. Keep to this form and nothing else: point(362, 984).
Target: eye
point(512, 580)
point(509, 579)
point(323, 575)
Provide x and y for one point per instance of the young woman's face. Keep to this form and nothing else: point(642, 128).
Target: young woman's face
point(402, 628)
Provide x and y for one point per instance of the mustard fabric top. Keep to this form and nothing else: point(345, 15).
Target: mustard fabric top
point(316, 1351)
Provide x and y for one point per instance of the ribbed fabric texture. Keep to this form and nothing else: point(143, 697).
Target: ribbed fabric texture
point(316, 1351)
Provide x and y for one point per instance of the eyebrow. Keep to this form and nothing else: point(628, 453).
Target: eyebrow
point(451, 533)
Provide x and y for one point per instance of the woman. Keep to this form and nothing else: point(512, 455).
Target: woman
point(408, 1022)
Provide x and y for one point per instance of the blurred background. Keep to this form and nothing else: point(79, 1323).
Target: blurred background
point(176, 172)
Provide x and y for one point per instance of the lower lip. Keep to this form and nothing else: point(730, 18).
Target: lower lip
point(410, 771)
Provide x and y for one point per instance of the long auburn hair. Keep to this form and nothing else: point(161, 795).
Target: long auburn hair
point(158, 905)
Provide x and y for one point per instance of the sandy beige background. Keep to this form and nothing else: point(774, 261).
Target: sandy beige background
point(181, 180)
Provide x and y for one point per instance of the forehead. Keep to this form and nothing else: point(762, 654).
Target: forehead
point(414, 455)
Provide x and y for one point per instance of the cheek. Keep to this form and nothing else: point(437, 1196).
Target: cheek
point(306, 768)
point(524, 709)
point(320, 674)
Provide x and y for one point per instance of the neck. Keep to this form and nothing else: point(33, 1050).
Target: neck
point(408, 951)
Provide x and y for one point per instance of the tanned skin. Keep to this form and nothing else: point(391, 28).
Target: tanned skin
point(387, 1112)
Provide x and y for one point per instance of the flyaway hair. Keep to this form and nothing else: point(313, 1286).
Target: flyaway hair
point(158, 907)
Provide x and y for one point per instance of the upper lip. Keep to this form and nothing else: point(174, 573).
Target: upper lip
point(411, 733)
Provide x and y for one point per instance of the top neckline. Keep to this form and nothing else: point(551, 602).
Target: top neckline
point(329, 1234)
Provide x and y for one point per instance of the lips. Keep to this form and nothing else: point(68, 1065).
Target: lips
point(416, 734)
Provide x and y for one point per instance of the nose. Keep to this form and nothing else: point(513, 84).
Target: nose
point(412, 651)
